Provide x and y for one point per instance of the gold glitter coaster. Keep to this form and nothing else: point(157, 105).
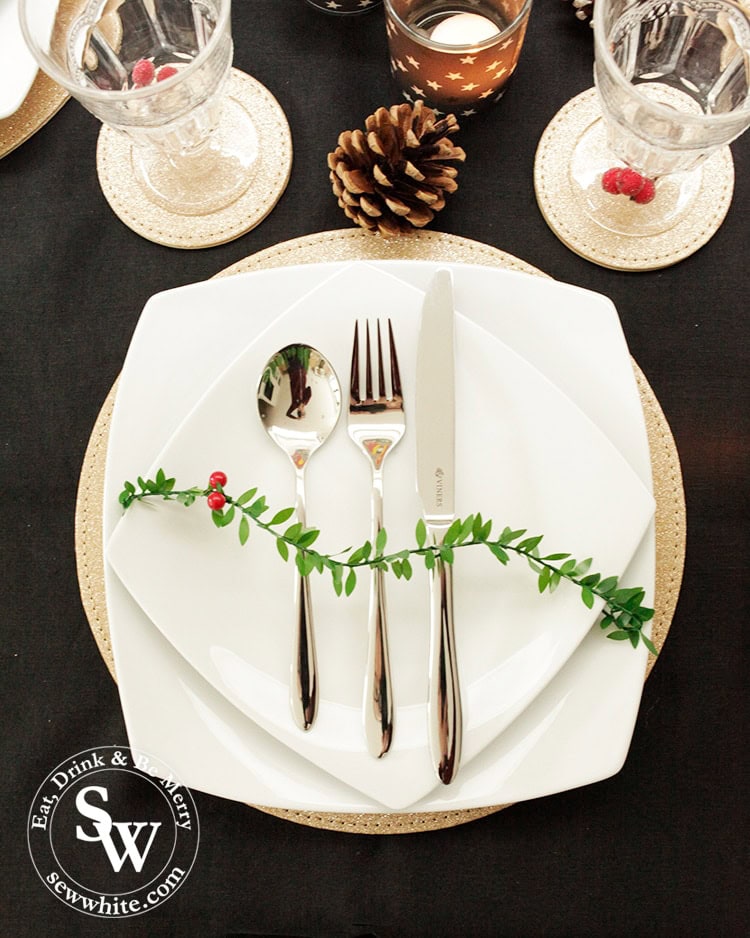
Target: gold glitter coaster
point(355, 244)
point(128, 200)
point(558, 203)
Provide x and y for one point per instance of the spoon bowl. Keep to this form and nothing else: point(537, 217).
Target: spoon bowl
point(299, 403)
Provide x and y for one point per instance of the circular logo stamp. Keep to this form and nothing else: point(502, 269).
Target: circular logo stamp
point(112, 833)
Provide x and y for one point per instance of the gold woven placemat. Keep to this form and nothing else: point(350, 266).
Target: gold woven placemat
point(354, 244)
point(44, 100)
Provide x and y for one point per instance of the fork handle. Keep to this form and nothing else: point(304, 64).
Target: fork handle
point(378, 702)
point(444, 700)
point(377, 699)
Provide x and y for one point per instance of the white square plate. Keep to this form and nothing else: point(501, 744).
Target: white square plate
point(226, 753)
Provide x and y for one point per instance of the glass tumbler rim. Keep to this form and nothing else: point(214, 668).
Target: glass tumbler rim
point(603, 55)
point(423, 39)
point(111, 96)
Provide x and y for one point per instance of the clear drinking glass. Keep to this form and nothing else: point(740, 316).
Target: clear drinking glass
point(672, 78)
point(157, 71)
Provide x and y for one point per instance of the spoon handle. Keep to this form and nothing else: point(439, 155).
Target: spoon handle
point(304, 686)
point(304, 683)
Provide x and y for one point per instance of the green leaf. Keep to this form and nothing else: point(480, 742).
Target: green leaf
point(466, 529)
point(588, 597)
point(308, 537)
point(508, 536)
point(485, 532)
point(552, 557)
point(282, 548)
point(476, 528)
point(351, 582)
point(244, 530)
point(451, 535)
point(258, 507)
point(543, 579)
point(618, 636)
point(246, 496)
point(429, 560)
point(380, 541)
point(228, 517)
point(606, 586)
point(397, 567)
point(568, 567)
point(583, 567)
point(497, 551)
point(305, 563)
point(529, 543)
point(337, 575)
point(446, 553)
point(406, 569)
point(649, 644)
point(218, 519)
point(421, 533)
point(281, 516)
point(293, 531)
point(591, 580)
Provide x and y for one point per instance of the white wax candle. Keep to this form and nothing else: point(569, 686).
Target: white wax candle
point(464, 29)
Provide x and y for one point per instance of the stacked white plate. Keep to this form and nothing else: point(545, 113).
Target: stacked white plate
point(550, 437)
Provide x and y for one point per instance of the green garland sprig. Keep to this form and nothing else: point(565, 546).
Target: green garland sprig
point(623, 615)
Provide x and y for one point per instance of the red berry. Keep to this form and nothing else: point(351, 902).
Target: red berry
point(647, 193)
point(166, 71)
point(143, 73)
point(630, 182)
point(611, 180)
point(216, 501)
point(217, 479)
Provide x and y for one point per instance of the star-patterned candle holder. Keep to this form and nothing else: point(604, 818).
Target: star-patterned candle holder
point(345, 7)
point(456, 56)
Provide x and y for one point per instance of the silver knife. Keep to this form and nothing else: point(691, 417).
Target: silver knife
point(435, 409)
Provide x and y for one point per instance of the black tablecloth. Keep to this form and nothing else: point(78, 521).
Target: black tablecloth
point(657, 849)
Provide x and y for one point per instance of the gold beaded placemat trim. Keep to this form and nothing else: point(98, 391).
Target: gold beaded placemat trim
point(44, 100)
point(274, 165)
point(355, 244)
point(562, 212)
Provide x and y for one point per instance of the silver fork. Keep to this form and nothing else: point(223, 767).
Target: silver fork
point(376, 424)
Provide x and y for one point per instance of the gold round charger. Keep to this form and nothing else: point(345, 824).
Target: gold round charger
point(562, 211)
point(355, 244)
point(44, 100)
point(125, 195)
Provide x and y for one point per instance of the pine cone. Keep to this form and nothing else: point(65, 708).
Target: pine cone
point(393, 177)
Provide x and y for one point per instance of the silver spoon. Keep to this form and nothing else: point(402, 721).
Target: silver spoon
point(299, 402)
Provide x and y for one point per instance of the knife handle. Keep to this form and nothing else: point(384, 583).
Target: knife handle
point(444, 698)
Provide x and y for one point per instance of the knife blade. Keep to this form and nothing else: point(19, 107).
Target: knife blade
point(435, 441)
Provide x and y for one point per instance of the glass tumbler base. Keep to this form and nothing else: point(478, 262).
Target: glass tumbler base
point(123, 187)
point(208, 180)
point(562, 201)
point(591, 158)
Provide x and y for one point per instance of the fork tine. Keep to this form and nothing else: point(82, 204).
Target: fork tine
point(368, 365)
point(395, 374)
point(354, 380)
point(381, 370)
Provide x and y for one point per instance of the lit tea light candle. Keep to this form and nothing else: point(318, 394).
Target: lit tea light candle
point(464, 29)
